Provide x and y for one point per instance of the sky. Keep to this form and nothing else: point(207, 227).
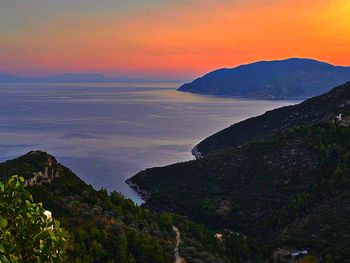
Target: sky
point(167, 39)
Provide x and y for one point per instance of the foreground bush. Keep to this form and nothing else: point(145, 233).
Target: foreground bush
point(26, 234)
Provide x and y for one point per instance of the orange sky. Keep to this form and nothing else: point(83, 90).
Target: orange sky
point(172, 39)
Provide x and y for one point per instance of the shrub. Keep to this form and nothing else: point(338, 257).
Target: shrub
point(26, 234)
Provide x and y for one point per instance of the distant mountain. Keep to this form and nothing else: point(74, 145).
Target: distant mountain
point(77, 78)
point(10, 78)
point(87, 77)
point(279, 79)
point(287, 187)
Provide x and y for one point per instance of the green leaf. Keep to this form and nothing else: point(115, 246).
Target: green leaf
point(3, 222)
point(29, 215)
point(4, 259)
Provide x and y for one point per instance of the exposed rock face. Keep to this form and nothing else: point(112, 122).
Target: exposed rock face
point(48, 175)
point(196, 153)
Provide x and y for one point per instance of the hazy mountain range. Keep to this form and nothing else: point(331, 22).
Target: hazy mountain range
point(279, 79)
point(79, 78)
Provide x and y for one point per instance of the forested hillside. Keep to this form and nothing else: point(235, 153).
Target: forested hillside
point(106, 227)
point(289, 188)
point(331, 106)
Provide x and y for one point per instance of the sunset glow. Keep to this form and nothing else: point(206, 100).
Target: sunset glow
point(170, 39)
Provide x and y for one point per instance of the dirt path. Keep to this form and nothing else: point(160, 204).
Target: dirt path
point(178, 259)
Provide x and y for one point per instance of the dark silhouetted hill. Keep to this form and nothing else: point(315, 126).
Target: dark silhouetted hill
point(279, 79)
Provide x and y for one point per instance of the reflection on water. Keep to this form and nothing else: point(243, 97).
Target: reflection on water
point(108, 132)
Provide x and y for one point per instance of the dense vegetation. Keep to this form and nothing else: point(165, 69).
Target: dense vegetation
point(106, 227)
point(26, 233)
point(279, 79)
point(324, 108)
point(289, 189)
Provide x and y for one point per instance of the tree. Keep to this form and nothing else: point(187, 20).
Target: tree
point(26, 234)
point(122, 249)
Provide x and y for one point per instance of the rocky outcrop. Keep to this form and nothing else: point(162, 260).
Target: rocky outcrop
point(196, 153)
point(144, 194)
point(46, 176)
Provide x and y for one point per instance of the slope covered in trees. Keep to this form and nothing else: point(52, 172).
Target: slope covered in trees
point(289, 188)
point(324, 108)
point(106, 227)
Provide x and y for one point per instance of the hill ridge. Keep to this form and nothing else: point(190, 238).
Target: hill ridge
point(274, 79)
point(323, 108)
point(106, 227)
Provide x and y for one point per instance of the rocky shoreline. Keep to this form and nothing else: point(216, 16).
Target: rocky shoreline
point(142, 193)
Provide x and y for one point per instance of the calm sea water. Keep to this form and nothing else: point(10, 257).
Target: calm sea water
point(108, 132)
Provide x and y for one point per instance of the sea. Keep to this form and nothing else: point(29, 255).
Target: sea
point(106, 133)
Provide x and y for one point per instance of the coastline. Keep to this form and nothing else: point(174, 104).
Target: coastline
point(144, 195)
point(228, 96)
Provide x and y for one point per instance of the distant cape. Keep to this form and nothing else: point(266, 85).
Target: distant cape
point(278, 79)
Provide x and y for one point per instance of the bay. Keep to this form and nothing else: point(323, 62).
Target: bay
point(108, 132)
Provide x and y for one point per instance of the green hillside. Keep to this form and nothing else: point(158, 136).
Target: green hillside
point(324, 108)
point(287, 189)
point(106, 227)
